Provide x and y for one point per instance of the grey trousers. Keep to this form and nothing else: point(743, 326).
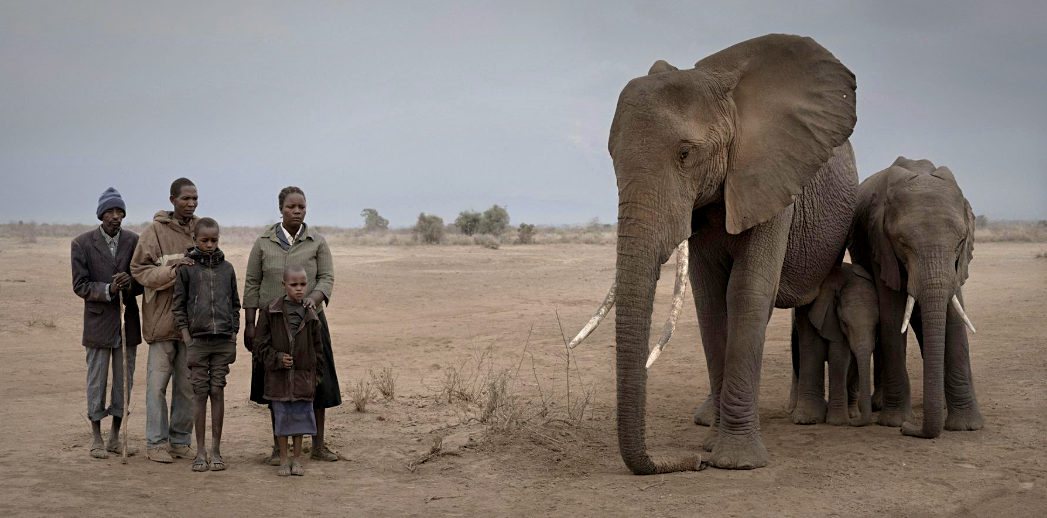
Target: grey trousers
point(167, 365)
point(98, 362)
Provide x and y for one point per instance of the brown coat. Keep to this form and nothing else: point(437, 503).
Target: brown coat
point(93, 269)
point(273, 339)
point(163, 241)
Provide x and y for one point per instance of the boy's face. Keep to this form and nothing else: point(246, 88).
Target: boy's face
point(295, 284)
point(207, 240)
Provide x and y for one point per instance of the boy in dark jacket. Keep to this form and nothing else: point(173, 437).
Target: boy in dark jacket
point(207, 311)
point(288, 342)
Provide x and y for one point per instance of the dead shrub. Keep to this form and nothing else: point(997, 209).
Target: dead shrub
point(360, 394)
point(384, 381)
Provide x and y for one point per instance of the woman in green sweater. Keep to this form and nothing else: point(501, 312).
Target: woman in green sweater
point(292, 242)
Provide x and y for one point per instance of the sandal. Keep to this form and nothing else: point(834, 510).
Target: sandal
point(99, 453)
point(200, 464)
point(297, 469)
point(285, 470)
point(216, 464)
point(116, 448)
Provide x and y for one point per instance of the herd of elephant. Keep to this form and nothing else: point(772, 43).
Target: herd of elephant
point(744, 167)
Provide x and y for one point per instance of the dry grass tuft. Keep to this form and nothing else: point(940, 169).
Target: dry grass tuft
point(360, 394)
point(384, 381)
point(35, 321)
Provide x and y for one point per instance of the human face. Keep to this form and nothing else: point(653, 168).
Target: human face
point(207, 240)
point(111, 220)
point(293, 211)
point(295, 284)
point(185, 203)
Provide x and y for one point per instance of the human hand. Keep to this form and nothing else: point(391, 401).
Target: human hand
point(287, 360)
point(308, 303)
point(249, 337)
point(184, 261)
point(122, 281)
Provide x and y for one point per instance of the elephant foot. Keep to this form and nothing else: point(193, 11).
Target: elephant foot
point(712, 438)
point(838, 418)
point(915, 430)
point(745, 452)
point(877, 400)
point(809, 411)
point(706, 414)
point(894, 417)
point(964, 420)
point(854, 412)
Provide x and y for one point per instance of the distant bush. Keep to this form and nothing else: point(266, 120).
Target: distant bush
point(429, 229)
point(526, 234)
point(486, 241)
point(468, 222)
point(373, 222)
point(495, 221)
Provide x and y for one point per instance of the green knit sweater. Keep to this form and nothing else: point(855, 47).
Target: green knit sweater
point(265, 266)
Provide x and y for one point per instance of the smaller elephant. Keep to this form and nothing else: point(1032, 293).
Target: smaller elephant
point(842, 324)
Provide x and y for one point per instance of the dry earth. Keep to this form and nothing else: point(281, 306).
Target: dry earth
point(423, 311)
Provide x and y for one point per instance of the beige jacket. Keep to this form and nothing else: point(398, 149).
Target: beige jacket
point(163, 241)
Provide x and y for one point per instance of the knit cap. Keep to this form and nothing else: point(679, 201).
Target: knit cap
point(108, 200)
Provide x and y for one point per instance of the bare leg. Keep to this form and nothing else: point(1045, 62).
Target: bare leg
point(318, 439)
point(285, 463)
point(200, 422)
point(217, 416)
point(96, 436)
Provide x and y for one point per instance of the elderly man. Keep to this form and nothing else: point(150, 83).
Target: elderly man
point(101, 262)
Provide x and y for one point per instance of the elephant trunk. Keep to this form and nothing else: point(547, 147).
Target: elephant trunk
point(864, 390)
point(935, 293)
point(638, 267)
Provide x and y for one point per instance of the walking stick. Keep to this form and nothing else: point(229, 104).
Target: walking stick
point(123, 348)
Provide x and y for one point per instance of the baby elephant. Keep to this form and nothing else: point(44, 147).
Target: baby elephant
point(842, 321)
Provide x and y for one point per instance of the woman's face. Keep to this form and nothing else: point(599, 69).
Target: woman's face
point(293, 210)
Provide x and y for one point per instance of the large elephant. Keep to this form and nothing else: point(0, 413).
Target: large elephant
point(746, 156)
point(914, 231)
point(840, 326)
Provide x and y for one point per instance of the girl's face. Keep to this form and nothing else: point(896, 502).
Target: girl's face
point(293, 210)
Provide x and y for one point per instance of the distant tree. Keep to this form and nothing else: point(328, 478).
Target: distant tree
point(429, 229)
point(981, 220)
point(373, 222)
point(495, 220)
point(594, 224)
point(526, 235)
point(468, 222)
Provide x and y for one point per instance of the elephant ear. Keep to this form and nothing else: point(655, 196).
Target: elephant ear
point(882, 249)
point(661, 66)
point(793, 102)
point(823, 314)
point(917, 166)
point(860, 272)
point(967, 254)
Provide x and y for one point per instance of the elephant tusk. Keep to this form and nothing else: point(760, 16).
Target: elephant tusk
point(909, 303)
point(682, 252)
point(601, 312)
point(959, 308)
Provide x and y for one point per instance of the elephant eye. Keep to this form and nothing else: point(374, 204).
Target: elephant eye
point(686, 154)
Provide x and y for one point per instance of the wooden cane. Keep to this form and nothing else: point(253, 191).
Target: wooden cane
point(123, 348)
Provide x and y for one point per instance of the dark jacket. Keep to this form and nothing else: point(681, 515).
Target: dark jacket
point(94, 268)
point(205, 297)
point(273, 339)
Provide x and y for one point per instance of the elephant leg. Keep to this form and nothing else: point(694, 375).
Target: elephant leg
point(810, 390)
point(794, 345)
point(896, 407)
point(709, 284)
point(839, 364)
point(751, 292)
point(963, 412)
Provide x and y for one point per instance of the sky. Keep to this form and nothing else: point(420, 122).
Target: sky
point(440, 107)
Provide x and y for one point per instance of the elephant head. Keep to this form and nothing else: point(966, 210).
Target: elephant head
point(925, 229)
point(847, 310)
point(747, 127)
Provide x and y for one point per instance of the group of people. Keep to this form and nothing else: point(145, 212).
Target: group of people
point(190, 318)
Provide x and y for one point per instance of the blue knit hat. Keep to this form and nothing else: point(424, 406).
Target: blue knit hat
point(108, 200)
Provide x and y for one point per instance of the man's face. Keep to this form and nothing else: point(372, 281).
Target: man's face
point(111, 220)
point(295, 283)
point(207, 239)
point(185, 202)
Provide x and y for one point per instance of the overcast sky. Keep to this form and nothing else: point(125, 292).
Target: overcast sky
point(445, 106)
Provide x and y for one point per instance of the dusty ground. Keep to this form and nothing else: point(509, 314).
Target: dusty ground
point(423, 311)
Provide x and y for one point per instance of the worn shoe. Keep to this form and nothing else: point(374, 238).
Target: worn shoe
point(274, 458)
point(158, 454)
point(117, 449)
point(324, 453)
point(182, 452)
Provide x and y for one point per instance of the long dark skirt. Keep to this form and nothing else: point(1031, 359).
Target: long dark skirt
point(328, 393)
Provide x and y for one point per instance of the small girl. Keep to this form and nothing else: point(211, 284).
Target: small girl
point(288, 342)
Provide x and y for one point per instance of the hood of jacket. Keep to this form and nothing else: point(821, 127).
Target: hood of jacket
point(211, 260)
